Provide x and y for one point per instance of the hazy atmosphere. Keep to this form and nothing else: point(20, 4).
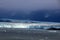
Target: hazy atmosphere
point(41, 10)
point(29, 4)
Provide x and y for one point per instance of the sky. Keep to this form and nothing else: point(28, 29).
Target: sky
point(29, 4)
point(21, 9)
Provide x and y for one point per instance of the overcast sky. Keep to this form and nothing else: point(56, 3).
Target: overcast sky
point(29, 4)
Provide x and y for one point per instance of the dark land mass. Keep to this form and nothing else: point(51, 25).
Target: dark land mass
point(53, 29)
point(37, 15)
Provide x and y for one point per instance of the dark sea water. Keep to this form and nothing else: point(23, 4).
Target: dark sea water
point(26, 34)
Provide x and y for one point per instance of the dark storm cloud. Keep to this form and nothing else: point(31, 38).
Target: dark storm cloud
point(28, 4)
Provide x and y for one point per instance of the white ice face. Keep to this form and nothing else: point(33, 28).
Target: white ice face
point(13, 25)
point(28, 24)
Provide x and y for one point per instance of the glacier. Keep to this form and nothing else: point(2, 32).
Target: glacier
point(10, 23)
